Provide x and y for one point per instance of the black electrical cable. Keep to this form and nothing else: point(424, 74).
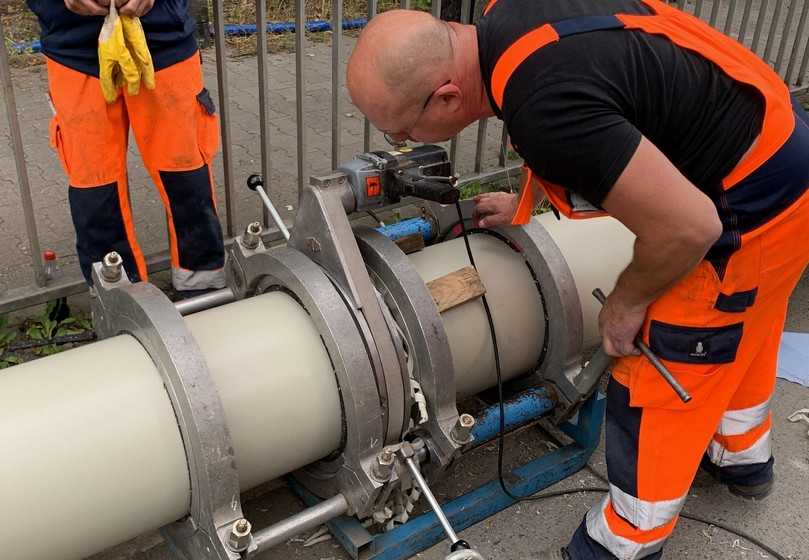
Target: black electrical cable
point(501, 437)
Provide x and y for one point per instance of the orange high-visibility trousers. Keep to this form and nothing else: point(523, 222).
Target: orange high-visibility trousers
point(720, 337)
point(176, 130)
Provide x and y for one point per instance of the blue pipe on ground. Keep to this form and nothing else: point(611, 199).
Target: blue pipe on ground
point(236, 30)
point(526, 407)
point(405, 228)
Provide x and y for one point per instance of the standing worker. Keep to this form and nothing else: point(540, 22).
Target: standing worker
point(144, 73)
point(635, 109)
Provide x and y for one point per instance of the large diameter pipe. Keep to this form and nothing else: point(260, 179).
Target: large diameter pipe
point(91, 450)
point(596, 250)
point(515, 304)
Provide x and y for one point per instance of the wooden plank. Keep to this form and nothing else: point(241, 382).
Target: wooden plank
point(456, 288)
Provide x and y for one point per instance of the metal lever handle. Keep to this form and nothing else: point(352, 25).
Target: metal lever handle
point(256, 183)
point(655, 361)
point(457, 544)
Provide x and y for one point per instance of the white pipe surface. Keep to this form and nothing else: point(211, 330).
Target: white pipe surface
point(596, 250)
point(90, 451)
point(515, 304)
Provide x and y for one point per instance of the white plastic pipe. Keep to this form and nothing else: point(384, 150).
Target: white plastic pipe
point(90, 453)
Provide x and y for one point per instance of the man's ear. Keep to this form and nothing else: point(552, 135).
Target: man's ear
point(450, 97)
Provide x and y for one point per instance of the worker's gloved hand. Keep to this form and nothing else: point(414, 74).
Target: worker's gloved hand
point(495, 208)
point(123, 56)
point(136, 43)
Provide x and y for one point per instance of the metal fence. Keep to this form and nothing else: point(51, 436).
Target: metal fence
point(775, 29)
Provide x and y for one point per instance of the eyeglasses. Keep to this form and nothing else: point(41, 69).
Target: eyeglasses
point(399, 143)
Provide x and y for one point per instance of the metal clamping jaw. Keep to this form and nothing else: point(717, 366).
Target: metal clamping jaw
point(560, 367)
point(144, 312)
point(254, 271)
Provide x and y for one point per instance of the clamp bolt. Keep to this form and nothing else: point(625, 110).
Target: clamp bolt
point(462, 432)
point(252, 235)
point(239, 538)
point(383, 468)
point(111, 266)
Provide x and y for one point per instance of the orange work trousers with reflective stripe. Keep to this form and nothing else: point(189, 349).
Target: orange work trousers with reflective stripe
point(176, 131)
point(720, 337)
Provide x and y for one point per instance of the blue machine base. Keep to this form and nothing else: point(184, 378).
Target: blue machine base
point(424, 531)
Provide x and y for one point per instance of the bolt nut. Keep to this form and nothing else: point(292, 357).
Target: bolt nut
point(383, 468)
point(111, 266)
point(462, 432)
point(252, 235)
point(312, 244)
point(239, 538)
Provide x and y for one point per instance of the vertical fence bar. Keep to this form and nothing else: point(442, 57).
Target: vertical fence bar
point(698, 8)
point(224, 114)
point(263, 94)
point(782, 48)
point(300, 42)
point(19, 162)
point(366, 134)
point(804, 64)
point(730, 17)
point(762, 15)
point(405, 4)
point(435, 8)
point(681, 4)
point(799, 34)
point(336, 71)
point(748, 7)
point(481, 144)
point(715, 5)
point(466, 5)
point(771, 37)
point(501, 157)
point(201, 11)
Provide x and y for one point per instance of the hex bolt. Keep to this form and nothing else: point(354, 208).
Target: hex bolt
point(313, 244)
point(252, 235)
point(111, 266)
point(383, 468)
point(462, 432)
point(239, 538)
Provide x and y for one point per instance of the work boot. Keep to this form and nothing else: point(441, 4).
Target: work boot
point(554, 554)
point(745, 491)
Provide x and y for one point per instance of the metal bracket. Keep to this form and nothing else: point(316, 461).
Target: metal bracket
point(562, 355)
point(144, 312)
point(323, 233)
point(416, 313)
point(561, 363)
point(259, 270)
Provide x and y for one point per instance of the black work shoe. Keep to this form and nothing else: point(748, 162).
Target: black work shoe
point(554, 554)
point(752, 491)
point(746, 491)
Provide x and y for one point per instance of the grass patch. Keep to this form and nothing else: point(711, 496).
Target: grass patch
point(53, 330)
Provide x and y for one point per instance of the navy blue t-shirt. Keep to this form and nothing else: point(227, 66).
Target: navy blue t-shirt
point(72, 40)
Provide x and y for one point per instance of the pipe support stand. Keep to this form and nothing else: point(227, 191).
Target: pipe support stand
point(144, 312)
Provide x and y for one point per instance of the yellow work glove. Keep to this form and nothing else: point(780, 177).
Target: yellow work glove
point(123, 56)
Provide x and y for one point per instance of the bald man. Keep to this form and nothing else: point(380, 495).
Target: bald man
point(633, 109)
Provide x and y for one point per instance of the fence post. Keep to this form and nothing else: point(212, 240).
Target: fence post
point(224, 113)
point(19, 162)
point(263, 101)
